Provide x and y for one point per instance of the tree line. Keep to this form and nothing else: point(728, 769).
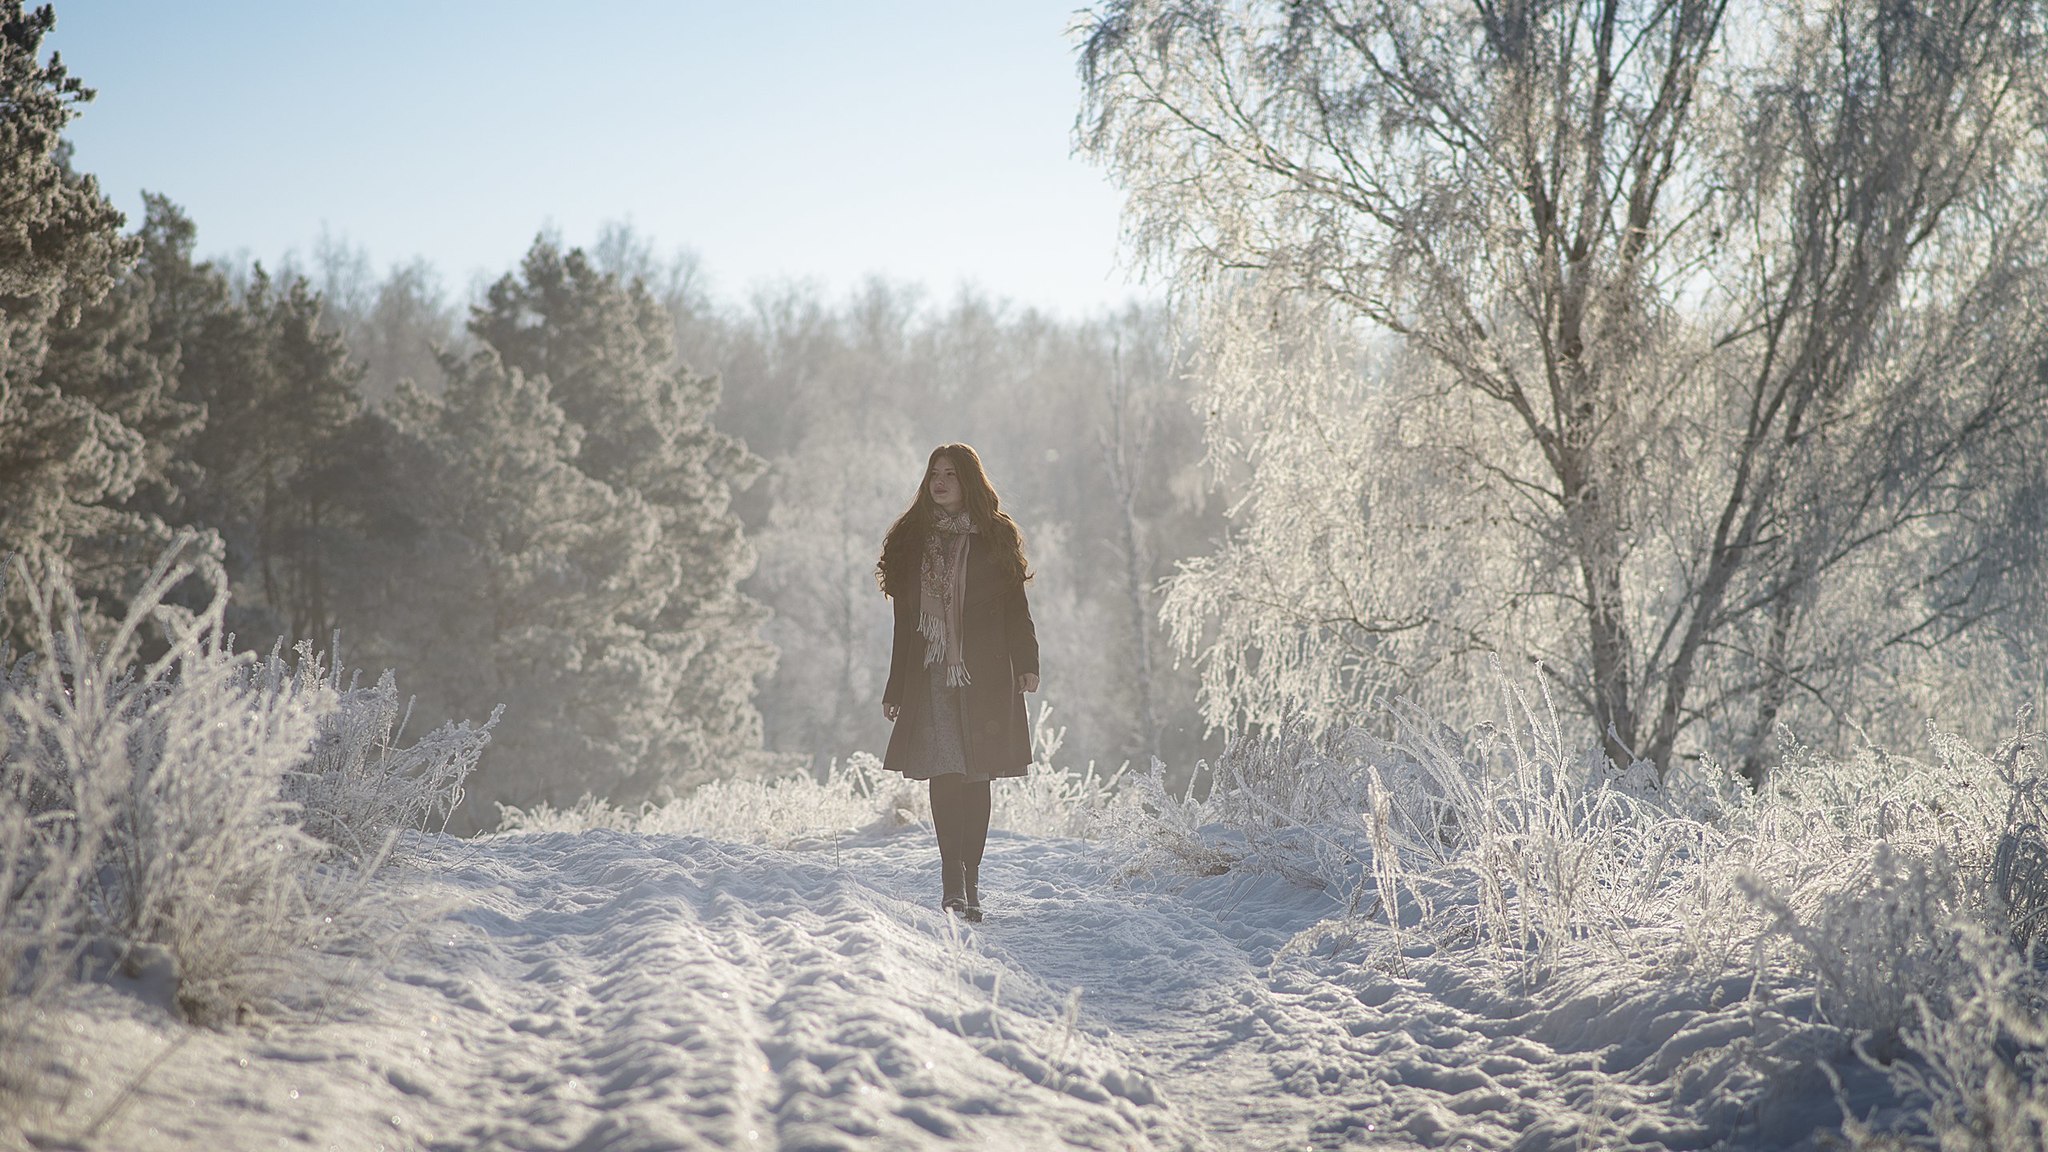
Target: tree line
point(1087, 426)
point(593, 495)
point(1696, 351)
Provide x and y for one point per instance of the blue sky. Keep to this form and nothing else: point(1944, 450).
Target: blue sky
point(916, 140)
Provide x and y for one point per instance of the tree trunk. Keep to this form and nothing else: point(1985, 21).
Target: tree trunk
point(1777, 687)
point(1118, 454)
point(1597, 543)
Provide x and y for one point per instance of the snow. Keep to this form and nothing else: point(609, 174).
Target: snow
point(614, 990)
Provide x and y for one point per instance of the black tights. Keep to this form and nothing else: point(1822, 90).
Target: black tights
point(960, 816)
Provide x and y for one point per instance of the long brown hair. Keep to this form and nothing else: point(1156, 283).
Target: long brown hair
point(902, 548)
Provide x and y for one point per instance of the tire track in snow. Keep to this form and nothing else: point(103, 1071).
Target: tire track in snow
point(605, 1017)
point(629, 992)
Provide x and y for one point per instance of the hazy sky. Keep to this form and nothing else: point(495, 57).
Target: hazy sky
point(924, 141)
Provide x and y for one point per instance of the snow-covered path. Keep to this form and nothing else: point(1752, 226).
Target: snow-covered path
point(615, 991)
point(675, 992)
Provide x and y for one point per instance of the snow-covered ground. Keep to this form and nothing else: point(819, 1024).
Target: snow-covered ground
point(614, 990)
point(1390, 937)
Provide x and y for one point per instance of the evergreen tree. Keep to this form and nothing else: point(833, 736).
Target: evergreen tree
point(530, 589)
point(86, 420)
point(282, 436)
point(60, 241)
point(108, 360)
point(606, 351)
point(111, 358)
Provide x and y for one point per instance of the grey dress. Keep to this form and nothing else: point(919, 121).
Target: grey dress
point(942, 743)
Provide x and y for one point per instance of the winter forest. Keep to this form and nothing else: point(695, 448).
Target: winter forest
point(1542, 618)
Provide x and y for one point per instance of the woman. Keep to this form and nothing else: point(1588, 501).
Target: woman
point(965, 653)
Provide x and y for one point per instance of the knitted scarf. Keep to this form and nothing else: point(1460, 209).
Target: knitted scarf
point(942, 585)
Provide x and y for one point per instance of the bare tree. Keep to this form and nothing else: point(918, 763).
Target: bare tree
point(1728, 314)
point(1125, 445)
point(818, 572)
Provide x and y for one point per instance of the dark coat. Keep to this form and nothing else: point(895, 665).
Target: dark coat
point(999, 644)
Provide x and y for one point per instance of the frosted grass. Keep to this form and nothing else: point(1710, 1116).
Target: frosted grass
point(852, 797)
point(1870, 888)
point(211, 816)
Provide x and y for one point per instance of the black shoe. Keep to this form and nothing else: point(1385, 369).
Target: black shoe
point(971, 893)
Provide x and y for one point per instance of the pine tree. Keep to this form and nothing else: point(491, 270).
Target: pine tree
point(80, 399)
point(606, 350)
point(108, 360)
point(528, 588)
point(282, 426)
point(60, 241)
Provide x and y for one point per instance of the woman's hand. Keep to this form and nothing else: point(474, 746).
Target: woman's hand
point(890, 711)
point(1028, 682)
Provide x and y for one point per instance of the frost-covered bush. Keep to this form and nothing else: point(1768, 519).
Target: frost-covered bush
point(1287, 803)
point(1510, 838)
point(2019, 867)
point(1893, 921)
point(1981, 1073)
point(1051, 800)
point(161, 789)
point(160, 810)
point(358, 787)
point(39, 875)
point(792, 811)
point(857, 794)
point(1878, 870)
point(1879, 896)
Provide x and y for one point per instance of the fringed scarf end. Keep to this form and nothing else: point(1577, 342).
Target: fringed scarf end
point(942, 587)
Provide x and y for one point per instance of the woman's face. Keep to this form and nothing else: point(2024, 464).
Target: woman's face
point(944, 484)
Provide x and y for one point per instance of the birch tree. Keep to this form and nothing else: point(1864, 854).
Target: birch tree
point(1679, 343)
